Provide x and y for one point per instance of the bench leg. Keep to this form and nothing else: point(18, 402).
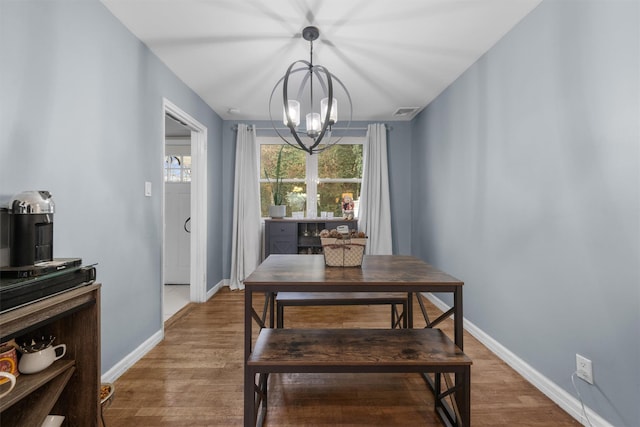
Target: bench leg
point(261, 397)
point(458, 414)
point(255, 403)
point(272, 303)
point(405, 315)
point(396, 317)
point(409, 309)
point(280, 316)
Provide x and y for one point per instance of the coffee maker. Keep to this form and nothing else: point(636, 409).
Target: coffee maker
point(30, 272)
point(31, 228)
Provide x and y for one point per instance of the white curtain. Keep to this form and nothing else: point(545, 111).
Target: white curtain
point(375, 205)
point(246, 238)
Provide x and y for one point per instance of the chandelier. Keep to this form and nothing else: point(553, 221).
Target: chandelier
point(307, 81)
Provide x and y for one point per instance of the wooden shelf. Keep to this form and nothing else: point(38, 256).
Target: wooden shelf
point(70, 386)
point(28, 383)
point(35, 395)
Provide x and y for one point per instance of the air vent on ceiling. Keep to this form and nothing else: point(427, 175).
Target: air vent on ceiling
point(405, 111)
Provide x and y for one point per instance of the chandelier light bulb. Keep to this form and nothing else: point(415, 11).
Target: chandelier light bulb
point(313, 125)
point(294, 113)
point(333, 116)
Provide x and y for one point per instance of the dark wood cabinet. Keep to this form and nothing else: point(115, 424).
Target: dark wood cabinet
point(299, 236)
point(281, 237)
point(71, 386)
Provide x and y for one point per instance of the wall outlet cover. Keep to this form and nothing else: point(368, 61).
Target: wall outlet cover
point(584, 368)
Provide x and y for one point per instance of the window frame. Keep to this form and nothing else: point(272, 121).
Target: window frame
point(311, 169)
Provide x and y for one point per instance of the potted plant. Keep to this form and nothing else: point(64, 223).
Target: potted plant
point(277, 209)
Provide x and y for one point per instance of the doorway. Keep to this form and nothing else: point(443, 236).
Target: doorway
point(184, 211)
point(177, 215)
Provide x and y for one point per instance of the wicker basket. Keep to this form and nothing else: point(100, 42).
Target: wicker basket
point(343, 252)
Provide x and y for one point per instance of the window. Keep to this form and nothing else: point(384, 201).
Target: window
point(177, 164)
point(325, 178)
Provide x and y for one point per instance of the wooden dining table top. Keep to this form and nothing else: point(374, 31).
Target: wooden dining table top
point(377, 273)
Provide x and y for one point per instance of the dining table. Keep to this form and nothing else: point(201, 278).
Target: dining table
point(378, 273)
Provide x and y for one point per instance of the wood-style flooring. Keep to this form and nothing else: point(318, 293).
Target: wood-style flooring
point(194, 378)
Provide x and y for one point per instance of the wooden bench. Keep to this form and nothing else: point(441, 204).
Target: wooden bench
point(394, 299)
point(363, 351)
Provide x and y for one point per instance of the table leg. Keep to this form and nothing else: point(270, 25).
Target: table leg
point(465, 398)
point(425, 315)
point(458, 318)
point(462, 380)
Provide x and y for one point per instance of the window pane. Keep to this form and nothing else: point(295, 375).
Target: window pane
point(177, 168)
point(174, 175)
point(292, 163)
point(341, 161)
point(330, 195)
point(186, 175)
point(295, 197)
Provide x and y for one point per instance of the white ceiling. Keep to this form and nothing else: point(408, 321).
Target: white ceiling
point(389, 54)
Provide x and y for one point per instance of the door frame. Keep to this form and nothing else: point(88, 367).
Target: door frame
point(198, 241)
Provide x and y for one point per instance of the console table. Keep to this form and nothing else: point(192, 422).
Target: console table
point(294, 236)
point(290, 350)
point(71, 385)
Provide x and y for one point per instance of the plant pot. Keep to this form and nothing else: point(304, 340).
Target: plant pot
point(277, 211)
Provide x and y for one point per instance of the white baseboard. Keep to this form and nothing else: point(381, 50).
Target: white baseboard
point(211, 292)
point(565, 400)
point(122, 366)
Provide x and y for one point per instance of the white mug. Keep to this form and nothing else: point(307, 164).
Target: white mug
point(12, 378)
point(30, 363)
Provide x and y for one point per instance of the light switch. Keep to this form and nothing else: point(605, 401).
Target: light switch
point(147, 189)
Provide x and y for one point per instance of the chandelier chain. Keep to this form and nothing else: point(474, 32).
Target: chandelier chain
point(311, 74)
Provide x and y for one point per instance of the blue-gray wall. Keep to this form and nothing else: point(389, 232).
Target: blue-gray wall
point(528, 168)
point(81, 116)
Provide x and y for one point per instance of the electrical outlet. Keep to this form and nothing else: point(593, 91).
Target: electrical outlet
point(584, 368)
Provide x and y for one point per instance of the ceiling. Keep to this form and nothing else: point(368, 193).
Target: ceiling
point(389, 54)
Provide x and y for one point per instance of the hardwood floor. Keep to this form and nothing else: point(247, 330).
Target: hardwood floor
point(195, 376)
